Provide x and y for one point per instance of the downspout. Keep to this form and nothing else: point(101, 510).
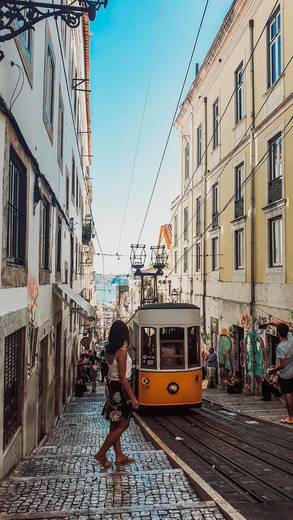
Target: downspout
point(252, 191)
point(204, 267)
point(192, 208)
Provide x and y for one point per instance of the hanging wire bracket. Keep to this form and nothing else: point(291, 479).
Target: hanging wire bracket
point(17, 16)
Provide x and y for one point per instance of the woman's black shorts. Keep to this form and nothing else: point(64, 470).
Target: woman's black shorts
point(286, 385)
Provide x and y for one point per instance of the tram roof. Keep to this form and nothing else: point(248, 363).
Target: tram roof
point(168, 306)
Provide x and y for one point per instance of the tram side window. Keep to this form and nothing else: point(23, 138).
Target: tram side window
point(172, 347)
point(193, 340)
point(148, 347)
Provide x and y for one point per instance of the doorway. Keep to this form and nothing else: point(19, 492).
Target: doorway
point(43, 383)
point(57, 368)
point(64, 369)
point(238, 333)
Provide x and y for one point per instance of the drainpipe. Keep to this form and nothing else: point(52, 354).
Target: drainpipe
point(204, 245)
point(252, 189)
point(190, 266)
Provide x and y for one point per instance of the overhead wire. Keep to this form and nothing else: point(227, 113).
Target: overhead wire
point(246, 180)
point(155, 53)
point(228, 160)
point(173, 121)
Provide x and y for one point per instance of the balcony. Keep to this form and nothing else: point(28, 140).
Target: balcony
point(215, 219)
point(275, 190)
point(239, 208)
point(86, 231)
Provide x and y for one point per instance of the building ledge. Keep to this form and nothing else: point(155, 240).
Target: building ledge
point(279, 204)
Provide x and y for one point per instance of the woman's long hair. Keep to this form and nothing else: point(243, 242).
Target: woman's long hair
point(118, 334)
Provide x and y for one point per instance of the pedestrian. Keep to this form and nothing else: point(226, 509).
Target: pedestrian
point(204, 364)
point(269, 388)
point(104, 366)
point(212, 362)
point(233, 383)
point(284, 369)
point(94, 370)
point(120, 399)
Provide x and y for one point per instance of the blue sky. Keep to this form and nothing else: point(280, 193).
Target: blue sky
point(122, 49)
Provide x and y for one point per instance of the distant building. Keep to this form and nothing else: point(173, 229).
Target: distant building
point(232, 246)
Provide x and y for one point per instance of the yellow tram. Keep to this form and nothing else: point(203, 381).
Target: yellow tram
point(166, 343)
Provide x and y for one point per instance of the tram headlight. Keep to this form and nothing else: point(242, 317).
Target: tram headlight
point(145, 381)
point(173, 388)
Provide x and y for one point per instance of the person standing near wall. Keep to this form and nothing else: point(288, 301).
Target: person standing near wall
point(284, 368)
point(212, 362)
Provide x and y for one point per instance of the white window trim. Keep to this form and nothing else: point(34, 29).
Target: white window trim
point(268, 138)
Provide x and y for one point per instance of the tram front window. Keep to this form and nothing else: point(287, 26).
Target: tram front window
point(172, 347)
point(148, 347)
point(193, 340)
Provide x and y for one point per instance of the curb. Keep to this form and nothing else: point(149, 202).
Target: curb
point(203, 489)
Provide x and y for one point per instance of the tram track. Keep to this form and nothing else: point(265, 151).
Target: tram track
point(249, 465)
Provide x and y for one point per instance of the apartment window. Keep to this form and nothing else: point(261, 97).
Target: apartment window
point(199, 145)
point(49, 79)
point(215, 253)
point(175, 262)
point(74, 86)
point(175, 228)
point(215, 205)
point(275, 169)
point(239, 198)
point(67, 192)
point(275, 242)
point(58, 244)
point(274, 48)
point(45, 234)
point(239, 248)
point(26, 37)
point(64, 29)
point(186, 161)
point(76, 193)
point(185, 260)
point(13, 353)
point(60, 141)
point(198, 219)
point(216, 121)
point(185, 221)
point(73, 179)
point(197, 257)
point(239, 94)
point(16, 225)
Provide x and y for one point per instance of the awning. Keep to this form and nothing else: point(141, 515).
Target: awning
point(61, 289)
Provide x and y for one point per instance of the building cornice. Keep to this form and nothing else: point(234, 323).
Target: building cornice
point(86, 44)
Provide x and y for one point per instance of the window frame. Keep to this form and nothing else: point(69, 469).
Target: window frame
point(185, 223)
point(49, 94)
point(143, 365)
point(198, 257)
point(182, 341)
point(60, 135)
point(185, 260)
point(216, 123)
point(274, 42)
point(199, 145)
point(45, 235)
point(215, 253)
point(16, 210)
point(186, 161)
point(239, 253)
point(215, 205)
point(271, 242)
point(198, 216)
point(239, 93)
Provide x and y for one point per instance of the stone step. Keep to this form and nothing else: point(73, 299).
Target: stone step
point(179, 511)
point(101, 491)
point(84, 465)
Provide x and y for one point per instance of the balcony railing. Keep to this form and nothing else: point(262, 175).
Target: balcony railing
point(239, 208)
point(215, 219)
point(275, 190)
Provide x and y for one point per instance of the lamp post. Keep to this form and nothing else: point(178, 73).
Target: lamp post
point(159, 259)
point(17, 16)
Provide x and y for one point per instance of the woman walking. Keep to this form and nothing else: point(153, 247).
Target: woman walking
point(120, 399)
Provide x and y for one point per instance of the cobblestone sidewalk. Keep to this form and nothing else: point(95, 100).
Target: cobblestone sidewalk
point(61, 479)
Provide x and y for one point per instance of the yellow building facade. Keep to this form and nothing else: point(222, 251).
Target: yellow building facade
point(232, 224)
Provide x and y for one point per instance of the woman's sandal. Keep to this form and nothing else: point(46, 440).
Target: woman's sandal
point(287, 421)
point(103, 461)
point(125, 460)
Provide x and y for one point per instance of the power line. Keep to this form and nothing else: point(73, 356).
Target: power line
point(259, 164)
point(229, 158)
point(222, 116)
point(173, 121)
point(155, 53)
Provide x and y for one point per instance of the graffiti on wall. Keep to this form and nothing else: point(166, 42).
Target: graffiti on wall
point(32, 329)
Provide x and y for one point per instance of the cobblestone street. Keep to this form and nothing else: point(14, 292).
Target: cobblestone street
point(62, 480)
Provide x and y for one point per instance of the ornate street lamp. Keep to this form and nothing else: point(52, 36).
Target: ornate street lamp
point(149, 286)
point(17, 16)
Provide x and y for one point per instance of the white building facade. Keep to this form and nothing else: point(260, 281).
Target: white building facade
point(45, 228)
